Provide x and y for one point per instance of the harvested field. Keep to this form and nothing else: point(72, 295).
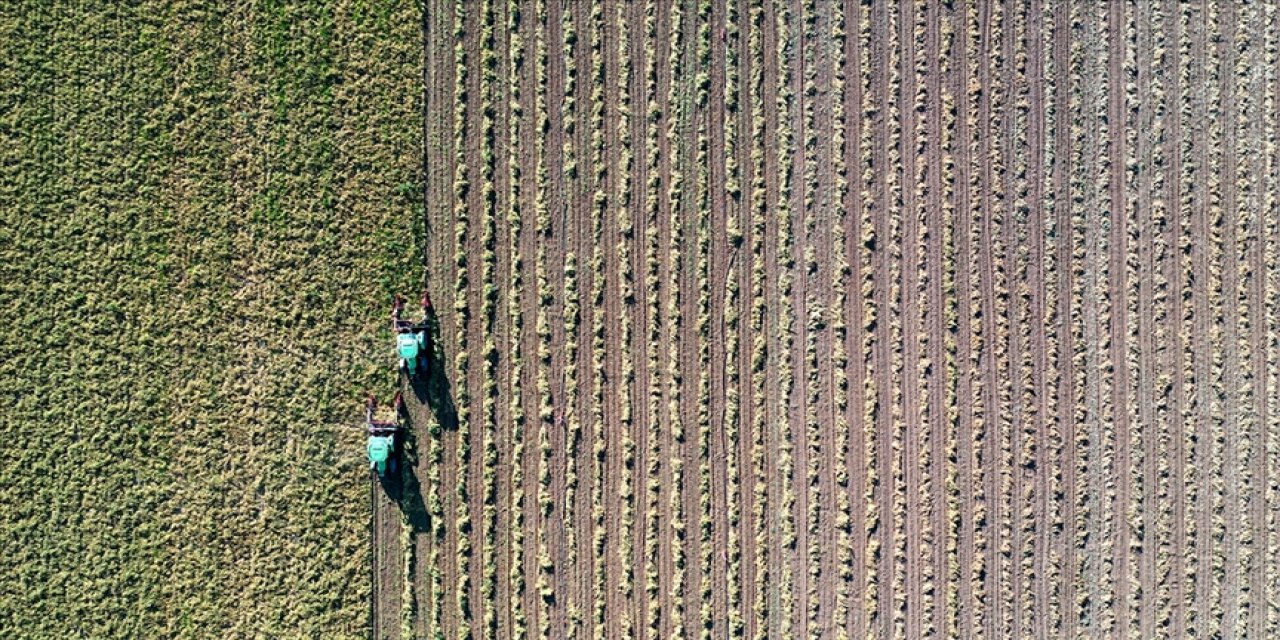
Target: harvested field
point(802, 319)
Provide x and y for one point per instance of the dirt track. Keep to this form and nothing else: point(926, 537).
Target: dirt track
point(844, 321)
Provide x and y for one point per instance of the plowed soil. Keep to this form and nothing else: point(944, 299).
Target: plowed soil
point(803, 319)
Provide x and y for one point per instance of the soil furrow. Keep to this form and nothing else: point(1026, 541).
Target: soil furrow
point(718, 124)
point(966, 202)
point(1173, 361)
point(562, 160)
point(387, 564)
point(1118, 288)
point(910, 325)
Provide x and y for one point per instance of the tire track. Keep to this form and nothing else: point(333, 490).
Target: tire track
point(581, 312)
point(1174, 361)
point(968, 472)
point(387, 564)
point(1199, 387)
point(908, 452)
point(1094, 574)
point(1147, 424)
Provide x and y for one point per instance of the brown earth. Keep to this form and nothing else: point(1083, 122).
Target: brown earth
point(998, 357)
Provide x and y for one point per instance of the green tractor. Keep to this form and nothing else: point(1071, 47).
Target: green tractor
point(413, 341)
point(382, 437)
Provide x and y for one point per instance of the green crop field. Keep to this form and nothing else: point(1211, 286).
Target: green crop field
point(203, 212)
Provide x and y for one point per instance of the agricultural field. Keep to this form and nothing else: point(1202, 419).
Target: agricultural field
point(801, 319)
point(759, 319)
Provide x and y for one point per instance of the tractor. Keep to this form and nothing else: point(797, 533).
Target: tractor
point(413, 341)
point(382, 436)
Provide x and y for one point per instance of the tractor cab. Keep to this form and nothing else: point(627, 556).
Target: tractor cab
point(408, 345)
point(411, 339)
point(380, 450)
point(381, 444)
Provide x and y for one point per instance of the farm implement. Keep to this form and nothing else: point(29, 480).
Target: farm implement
point(383, 436)
point(413, 341)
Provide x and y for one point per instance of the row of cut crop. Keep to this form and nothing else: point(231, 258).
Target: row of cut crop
point(599, 211)
point(627, 478)
point(462, 186)
point(515, 578)
point(759, 348)
point(488, 313)
point(570, 318)
point(784, 267)
point(731, 323)
point(839, 273)
point(702, 208)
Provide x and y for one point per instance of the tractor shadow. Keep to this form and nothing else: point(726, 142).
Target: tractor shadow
point(406, 491)
point(434, 391)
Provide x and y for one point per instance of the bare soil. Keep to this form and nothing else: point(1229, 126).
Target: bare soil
point(1003, 370)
